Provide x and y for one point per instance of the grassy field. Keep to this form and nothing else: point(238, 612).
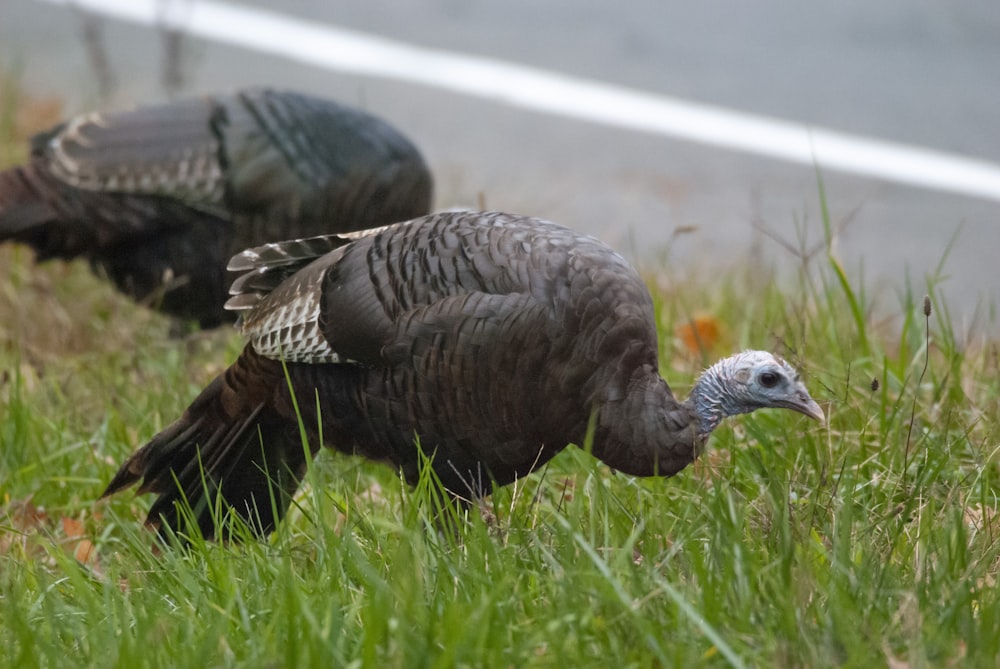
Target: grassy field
point(872, 541)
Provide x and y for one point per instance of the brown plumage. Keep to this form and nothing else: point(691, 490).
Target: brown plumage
point(493, 338)
point(160, 197)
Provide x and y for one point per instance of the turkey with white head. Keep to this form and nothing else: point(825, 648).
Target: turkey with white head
point(160, 197)
point(494, 339)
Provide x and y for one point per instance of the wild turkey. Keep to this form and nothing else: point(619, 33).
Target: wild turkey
point(160, 197)
point(492, 338)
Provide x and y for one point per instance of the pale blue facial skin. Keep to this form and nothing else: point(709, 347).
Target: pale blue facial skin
point(746, 382)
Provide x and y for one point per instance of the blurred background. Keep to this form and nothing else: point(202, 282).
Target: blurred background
point(916, 72)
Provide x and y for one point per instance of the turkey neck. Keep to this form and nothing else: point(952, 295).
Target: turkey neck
point(648, 432)
point(712, 396)
point(710, 400)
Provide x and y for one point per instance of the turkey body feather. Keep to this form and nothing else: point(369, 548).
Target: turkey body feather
point(159, 198)
point(495, 340)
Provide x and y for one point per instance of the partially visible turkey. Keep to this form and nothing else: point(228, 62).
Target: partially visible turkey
point(493, 338)
point(159, 198)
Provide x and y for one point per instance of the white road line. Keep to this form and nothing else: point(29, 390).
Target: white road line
point(553, 93)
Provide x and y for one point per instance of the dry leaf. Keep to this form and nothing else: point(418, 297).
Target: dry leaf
point(84, 550)
point(86, 553)
point(699, 335)
point(72, 528)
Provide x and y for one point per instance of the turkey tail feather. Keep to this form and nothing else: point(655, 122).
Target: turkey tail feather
point(265, 267)
point(21, 210)
point(229, 451)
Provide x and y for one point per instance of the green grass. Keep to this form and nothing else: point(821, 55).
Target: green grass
point(872, 541)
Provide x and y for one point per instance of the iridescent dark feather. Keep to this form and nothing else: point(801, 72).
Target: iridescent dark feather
point(496, 339)
point(159, 198)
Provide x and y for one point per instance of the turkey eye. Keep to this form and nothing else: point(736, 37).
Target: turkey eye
point(768, 379)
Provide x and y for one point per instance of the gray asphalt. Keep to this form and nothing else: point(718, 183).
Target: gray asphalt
point(915, 71)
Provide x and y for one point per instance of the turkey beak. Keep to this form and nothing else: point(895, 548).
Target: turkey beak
point(804, 404)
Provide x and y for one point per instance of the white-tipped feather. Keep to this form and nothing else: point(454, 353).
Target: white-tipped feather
point(185, 185)
point(493, 339)
point(291, 332)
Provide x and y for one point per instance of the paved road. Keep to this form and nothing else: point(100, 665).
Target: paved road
point(913, 71)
